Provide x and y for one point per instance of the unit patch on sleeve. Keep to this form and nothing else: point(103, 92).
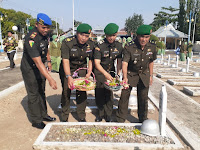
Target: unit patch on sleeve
point(31, 42)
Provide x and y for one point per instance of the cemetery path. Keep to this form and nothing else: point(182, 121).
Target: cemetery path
point(186, 112)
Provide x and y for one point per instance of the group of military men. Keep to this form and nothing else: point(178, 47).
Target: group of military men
point(135, 60)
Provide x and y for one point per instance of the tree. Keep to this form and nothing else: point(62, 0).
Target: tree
point(11, 18)
point(181, 16)
point(132, 23)
point(161, 17)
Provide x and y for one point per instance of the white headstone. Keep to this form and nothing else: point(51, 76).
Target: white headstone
point(196, 74)
point(163, 110)
point(183, 70)
point(161, 58)
point(132, 100)
point(177, 58)
point(168, 60)
point(191, 55)
point(173, 66)
point(188, 64)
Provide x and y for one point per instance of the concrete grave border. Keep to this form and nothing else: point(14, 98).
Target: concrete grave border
point(41, 145)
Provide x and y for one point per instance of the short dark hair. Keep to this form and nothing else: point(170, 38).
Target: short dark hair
point(10, 32)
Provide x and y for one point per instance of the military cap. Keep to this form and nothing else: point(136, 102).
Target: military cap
point(144, 30)
point(84, 28)
point(43, 19)
point(111, 28)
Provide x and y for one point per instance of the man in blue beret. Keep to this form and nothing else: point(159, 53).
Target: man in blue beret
point(137, 68)
point(105, 55)
point(35, 72)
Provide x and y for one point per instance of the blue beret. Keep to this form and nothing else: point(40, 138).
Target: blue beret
point(43, 19)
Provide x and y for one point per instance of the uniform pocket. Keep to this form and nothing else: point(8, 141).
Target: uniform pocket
point(74, 53)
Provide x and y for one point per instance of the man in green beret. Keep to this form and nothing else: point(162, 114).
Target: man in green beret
point(105, 54)
point(137, 68)
point(75, 51)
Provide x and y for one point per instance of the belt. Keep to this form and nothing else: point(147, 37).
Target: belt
point(140, 71)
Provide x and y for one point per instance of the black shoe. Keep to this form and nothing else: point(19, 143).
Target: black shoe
point(40, 125)
point(48, 118)
point(108, 119)
point(64, 120)
point(82, 120)
point(98, 119)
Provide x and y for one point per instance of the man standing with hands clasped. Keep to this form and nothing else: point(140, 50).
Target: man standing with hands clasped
point(34, 71)
point(137, 68)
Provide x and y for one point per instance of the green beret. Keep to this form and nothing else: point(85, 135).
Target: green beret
point(144, 30)
point(111, 28)
point(84, 28)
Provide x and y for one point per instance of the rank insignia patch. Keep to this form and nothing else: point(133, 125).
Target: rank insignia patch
point(33, 35)
point(31, 42)
point(98, 49)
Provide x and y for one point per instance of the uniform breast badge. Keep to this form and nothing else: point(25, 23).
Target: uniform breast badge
point(33, 35)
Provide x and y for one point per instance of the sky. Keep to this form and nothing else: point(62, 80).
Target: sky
point(97, 13)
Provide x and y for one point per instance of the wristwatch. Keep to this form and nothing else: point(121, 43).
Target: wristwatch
point(67, 76)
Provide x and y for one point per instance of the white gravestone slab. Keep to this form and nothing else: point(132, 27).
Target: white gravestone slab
point(188, 64)
point(168, 60)
point(163, 110)
point(177, 59)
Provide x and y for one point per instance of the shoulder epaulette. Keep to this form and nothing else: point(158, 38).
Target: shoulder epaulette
point(33, 35)
point(68, 39)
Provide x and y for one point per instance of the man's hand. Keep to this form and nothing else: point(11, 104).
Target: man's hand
point(70, 82)
point(88, 75)
point(125, 80)
point(151, 80)
point(108, 76)
point(49, 66)
point(53, 84)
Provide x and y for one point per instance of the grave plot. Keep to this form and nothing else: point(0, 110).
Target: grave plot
point(98, 136)
point(193, 91)
point(163, 70)
point(91, 105)
point(176, 75)
point(184, 82)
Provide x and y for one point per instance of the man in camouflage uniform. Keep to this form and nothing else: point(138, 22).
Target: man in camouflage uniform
point(137, 68)
point(10, 47)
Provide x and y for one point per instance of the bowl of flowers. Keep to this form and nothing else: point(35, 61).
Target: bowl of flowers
point(82, 83)
point(114, 85)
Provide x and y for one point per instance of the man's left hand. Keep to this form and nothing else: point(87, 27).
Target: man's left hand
point(49, 66)
point(88, 75)
point(151, 80)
